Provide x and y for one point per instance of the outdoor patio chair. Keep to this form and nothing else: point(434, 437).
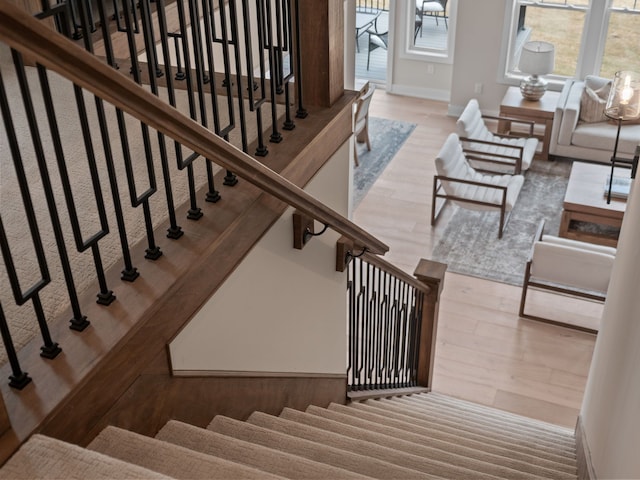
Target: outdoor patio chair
point(494, 152)
point(432, 8)
point(361, 121)
point(459, 182)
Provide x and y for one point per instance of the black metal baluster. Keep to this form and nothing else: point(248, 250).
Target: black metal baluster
point(230, 178)
point(265, 32)
point(18, 378)
point(129, 273)
point(174, 231)
point(286, 79)
point(367, 330)
point(50, 349)
point(301, 112)
point(153, 251)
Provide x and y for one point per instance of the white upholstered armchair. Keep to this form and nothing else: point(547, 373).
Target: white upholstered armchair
point(489, 151)
point(460, 183)
point(567, 267)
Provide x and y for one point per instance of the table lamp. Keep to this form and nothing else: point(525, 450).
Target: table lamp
point(623, 104)
point(536, 58)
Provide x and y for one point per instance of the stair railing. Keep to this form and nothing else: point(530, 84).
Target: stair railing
point(53, 51)
point(392, 321)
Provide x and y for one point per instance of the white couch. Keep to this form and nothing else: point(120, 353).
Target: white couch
point(573, 138)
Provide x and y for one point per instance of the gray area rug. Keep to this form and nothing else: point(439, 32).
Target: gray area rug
point(470, 243)
point(386, 136)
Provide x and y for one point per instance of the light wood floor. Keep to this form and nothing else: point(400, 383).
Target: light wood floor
point(485, 352)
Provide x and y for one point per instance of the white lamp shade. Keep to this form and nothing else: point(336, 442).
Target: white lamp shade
point(537, 58)
point(624, 97)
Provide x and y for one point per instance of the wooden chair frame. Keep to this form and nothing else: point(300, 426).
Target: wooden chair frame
point(437, 185)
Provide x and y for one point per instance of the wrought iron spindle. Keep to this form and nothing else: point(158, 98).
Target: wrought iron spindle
point(384, 329)
point(18, 378)
point(265, 33)
point(301, 112)
point(50, 349)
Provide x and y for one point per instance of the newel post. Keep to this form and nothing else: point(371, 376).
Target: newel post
point(432, 275)
point(322, 49)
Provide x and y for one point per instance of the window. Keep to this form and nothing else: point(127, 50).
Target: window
point(430, 29)
point(590, 37)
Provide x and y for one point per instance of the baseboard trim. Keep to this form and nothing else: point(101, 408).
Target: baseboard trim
point(583, 454)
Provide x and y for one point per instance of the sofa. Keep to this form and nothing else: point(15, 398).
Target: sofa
point(581, 131)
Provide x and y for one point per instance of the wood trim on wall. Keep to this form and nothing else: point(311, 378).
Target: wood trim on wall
point(154, 399)
point(583, 454)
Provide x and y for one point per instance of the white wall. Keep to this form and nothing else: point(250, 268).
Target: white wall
point(282, 310)
point(610, 412)
point(478, 42)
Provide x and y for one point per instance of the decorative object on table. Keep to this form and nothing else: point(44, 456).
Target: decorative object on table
point(622, 105)
point(387, 137)
point(537, 58)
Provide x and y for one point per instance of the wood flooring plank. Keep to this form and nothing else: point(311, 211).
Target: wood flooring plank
point(536, 408)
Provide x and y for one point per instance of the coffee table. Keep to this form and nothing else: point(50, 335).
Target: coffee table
point(586, 201)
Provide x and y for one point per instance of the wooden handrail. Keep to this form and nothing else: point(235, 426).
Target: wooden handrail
point(25, 34)
point(391, 269)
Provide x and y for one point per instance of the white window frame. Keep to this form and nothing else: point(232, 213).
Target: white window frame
point(592, 43)
point(431, 55)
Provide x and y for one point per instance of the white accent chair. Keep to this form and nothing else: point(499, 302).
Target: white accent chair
point(459, 182)
point(361, 121)
point(568, 267)
point(492, 152)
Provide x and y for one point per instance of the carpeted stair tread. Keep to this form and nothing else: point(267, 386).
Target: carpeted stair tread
point(45, 457)
point(548, 457)
point(360, 465)
point(429, 412)
point(488, 414)
point(496, 436)
point(491, 412)
point(483, 462)
point(172, 460)
point(378, 445)
point(248, 453)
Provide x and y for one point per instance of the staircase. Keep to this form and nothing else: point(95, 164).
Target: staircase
point(427, 435)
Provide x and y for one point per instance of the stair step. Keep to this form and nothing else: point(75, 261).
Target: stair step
point(422, 446)
point(448, 430)
point(523, 454)
point(457, 403)
point(248, 453)
point(379, 446)
point(496, 437)
point(45, 457)
point(361, 466)
point(172, 460)
point(487, 416)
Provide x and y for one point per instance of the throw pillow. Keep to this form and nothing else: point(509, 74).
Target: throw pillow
point(592, 103)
